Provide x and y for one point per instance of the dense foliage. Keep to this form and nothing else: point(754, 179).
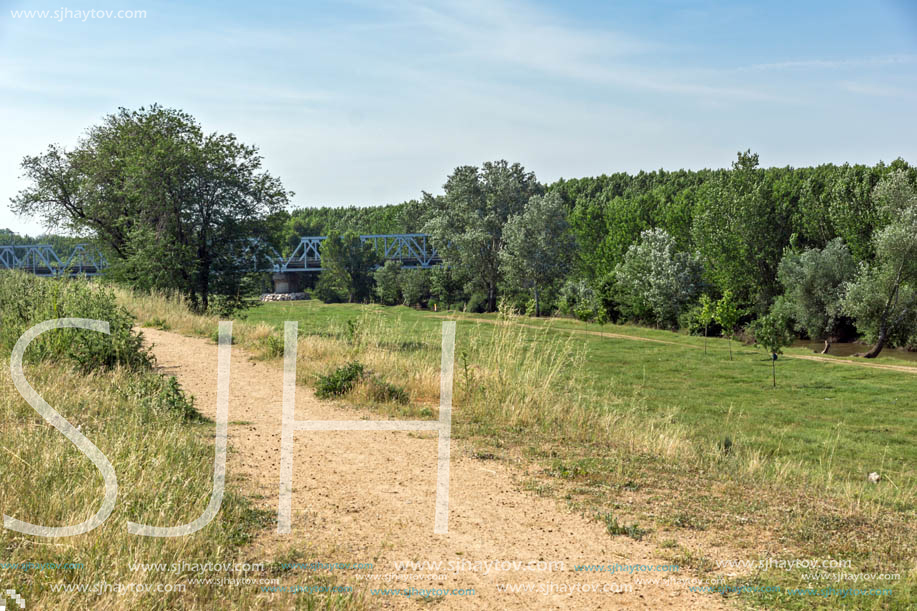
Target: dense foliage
point(828, 248)
point(176, 208)
point(26, 300)
point(789, 238)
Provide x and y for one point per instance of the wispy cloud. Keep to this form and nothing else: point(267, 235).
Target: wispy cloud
point(836, 64)
point(879, 90)
point(506, 34)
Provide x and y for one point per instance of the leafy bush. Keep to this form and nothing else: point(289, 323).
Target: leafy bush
point(578, 299)
point(445, 286)
point(154, 394)
point(271, 346)
point(692, 320)
point(330, 289)
point(656, 283)
point(27, 300)
point(477, 303)
point(609, 309)
point(340, 381)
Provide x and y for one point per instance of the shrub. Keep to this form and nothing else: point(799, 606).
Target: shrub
point(655, 283)
point(27, 300)
point(155, 394)
point(477, 303)
point(578, 299)
point(340, 381)
point(330, 289)
point(609, 310)
point(445, 286)
point(271, 346)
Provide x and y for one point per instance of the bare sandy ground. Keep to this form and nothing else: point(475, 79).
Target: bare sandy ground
point(369, 497)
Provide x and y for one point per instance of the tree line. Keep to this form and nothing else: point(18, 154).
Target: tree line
point(826, 252)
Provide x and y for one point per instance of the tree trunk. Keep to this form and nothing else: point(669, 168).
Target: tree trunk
point(774, 369)
point(705, 339)
point(880, 343)
point(491, 299)
point(883, 327)
point(537, 303)
point(827, 347)
point(205, 289)
point(730, 348)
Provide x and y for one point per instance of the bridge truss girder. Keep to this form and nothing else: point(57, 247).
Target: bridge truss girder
point(414, 250)
point(43, 260)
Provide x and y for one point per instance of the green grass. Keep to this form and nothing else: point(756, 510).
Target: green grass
point(840, 420)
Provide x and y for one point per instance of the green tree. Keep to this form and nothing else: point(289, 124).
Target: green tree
point(772, 332)
point(538, 247)
point(655, 282)
point(706, 315)
point(467, 221)
point(882, 299)
point(445, 286)
point(727, 317)
point(388, 287)
point(415, 286)
point(175, 207)
point(813, 283)
point(741, 228)
point(347, 268)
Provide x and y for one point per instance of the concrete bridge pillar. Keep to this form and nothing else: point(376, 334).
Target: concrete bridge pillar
point(283, 283)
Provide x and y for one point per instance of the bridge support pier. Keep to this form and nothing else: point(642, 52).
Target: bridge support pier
point(283, 283)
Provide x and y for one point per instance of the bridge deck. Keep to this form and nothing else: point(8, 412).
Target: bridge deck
point(413, 250)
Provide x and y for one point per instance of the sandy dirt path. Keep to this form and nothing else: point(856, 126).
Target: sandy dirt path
point(369, 497)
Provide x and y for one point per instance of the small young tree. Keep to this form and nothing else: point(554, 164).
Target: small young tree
point(706, 315)
point(772, 332)
point(727, 316)
point(388, 287)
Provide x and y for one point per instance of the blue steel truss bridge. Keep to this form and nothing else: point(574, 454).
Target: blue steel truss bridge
point(411, 249)
point(42, 260)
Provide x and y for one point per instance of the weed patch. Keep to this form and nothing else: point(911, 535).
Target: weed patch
point(340, 381)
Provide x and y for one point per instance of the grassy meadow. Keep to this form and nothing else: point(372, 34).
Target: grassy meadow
point(656, 438)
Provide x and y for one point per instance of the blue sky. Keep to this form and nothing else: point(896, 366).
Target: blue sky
point(372, 102)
